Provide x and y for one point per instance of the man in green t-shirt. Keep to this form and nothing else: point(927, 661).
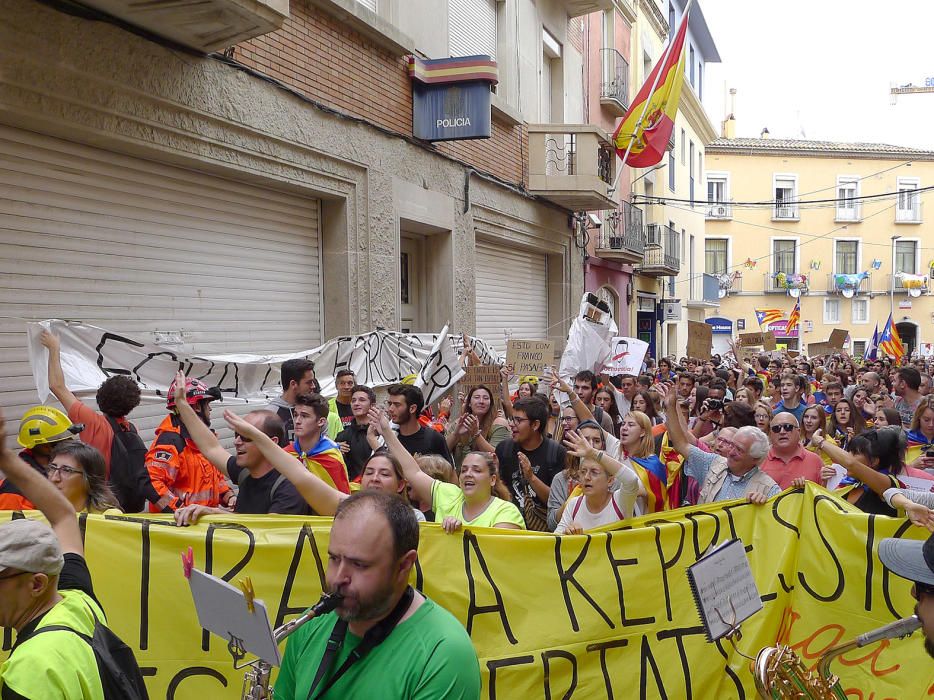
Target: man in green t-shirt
point(412, 648)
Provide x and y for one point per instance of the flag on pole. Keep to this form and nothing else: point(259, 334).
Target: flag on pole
point(890, 342)
point(793, 318)
point(872, 346)
point(647, 126)
point(766, 316)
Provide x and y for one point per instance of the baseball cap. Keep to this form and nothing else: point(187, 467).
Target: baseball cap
point(909, 559)
point(28, 545)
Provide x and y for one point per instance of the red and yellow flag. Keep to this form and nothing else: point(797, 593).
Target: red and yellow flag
point(650, 138)
point(793, 319)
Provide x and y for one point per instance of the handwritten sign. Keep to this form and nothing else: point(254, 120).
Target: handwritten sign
point(530, 356)
point(838, 338)
point(700, 336)
point(483, 375)
point(768, 341)
point(748, 340)
point(817, 349)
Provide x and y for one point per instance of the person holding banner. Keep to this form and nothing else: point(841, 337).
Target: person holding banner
point(382, 472)
point(261, 489)
point(472, 502)
point(598, 505)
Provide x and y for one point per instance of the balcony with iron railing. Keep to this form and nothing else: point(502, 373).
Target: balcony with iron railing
point(719, 210)
point(622, 235)
point(662, 251)
point(573, 165)
point(730, 283)
point(851, 213)
point(778, 283)
point(705, 290)
point(787, 211)
point(910, 214)
point(614, 87)
point(903, 283)
point(843, 283)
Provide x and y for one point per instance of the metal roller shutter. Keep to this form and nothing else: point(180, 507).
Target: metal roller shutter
point(136, 246)
point(512, 293)
point(472, 27)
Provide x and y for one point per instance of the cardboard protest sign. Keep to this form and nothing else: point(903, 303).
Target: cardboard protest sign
point(482, 375)
point(529, 356)
point(747, 340)
point(838, 338)
point(768, 341)
point(636, 573)
point(700, 339)
point(626, 356)
point(816, 349)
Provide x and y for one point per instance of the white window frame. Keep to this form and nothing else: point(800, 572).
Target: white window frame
point(828, 302)
point(859, 253)
point(849, 180)
point(684, 140)
point(917, 241)
point(859, 301)
point(729, 252)
point(908, 183)
point(717, 175)
point(797, 240)
point(795, 194)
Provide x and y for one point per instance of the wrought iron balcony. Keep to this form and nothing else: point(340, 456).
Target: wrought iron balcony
point(720, 210)
point(774, 284)
point(785, 212)
point(842, 282)
point(206, 25)
point(662, 251)
point(902, 285)
point(573, 165)
point(851, 213)
point(614, 86)
point(622, 235)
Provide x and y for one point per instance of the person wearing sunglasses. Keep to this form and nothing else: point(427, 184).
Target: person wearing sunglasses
point(262, 489)
point(788, 460)
point(80, 473)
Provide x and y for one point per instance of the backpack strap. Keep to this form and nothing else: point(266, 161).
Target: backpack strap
point(577, 506)
point(616, 507)
point(275, 487)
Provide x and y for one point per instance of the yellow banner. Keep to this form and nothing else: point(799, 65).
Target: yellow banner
point(608, 615)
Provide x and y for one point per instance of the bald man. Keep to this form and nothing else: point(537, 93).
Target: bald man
point(787, 459)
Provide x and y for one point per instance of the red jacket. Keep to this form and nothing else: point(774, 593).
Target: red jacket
point(179, 475)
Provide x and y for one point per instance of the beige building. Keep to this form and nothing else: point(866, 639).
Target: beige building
point(834, 211)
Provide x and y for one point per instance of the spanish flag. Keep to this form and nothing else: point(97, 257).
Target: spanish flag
point(650, 136)
point(325, 461)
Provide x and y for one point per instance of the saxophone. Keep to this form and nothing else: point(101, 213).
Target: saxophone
point(256, 680)
point(781, 675)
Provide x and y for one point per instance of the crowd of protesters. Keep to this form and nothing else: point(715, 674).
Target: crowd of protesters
point(544, 453)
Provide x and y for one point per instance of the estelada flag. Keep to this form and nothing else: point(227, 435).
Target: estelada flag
point(890, 342)
point(793, 319)
point(650, 139)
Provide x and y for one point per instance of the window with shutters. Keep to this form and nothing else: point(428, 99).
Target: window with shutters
point(859, 348)
point(908, 203)
point(847, 202)
point(785, 188)
point(715, 256)
point(846, 257)
point(860, 310)
point(472, 27)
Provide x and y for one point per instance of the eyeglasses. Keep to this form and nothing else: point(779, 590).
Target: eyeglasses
point(65, 471)
point(242, 438)
point(783, 427)
point(527, 420)
point(566, 419)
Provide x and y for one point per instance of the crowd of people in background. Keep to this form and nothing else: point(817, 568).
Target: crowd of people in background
point(553, 454)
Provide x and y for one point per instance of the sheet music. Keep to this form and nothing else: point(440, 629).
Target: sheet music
point(724, 590)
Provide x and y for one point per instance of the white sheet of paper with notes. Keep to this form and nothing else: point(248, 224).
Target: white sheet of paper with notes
point(724, 590)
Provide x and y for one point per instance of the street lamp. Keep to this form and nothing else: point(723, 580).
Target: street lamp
point(892, 288)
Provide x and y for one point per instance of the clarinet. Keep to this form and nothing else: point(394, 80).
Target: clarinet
point(256, 680)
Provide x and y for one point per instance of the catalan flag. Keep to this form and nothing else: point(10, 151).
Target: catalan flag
point(890, 342)
point(766, 316)
point(793, 318)
point(641, 138)
point(325, 461)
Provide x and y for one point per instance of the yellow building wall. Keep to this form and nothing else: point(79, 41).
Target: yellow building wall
point(751, 231)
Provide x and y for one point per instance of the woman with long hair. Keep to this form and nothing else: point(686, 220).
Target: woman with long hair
point(763, 416)
point(886, 416)
point(813, 419)
point(862, 404)
point(637, 447)
point(477, 428)
point(846, 422)
point(564, 484)
point(921, 435)
point(643, 402)
point(79, 472)
point(605, 399)
point(382, 471)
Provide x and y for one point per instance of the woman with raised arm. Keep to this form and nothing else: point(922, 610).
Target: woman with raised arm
point(382, 471)
point(598, 505)
point(471, 502)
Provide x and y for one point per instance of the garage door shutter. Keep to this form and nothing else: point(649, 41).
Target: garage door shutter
point(512, 293)
point(136, 246)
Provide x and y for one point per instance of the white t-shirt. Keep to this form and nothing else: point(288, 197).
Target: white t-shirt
point(619, 507)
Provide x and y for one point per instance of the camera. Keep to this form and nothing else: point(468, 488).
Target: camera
point(714, 404)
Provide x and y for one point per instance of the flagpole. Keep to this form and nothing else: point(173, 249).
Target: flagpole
point(648, 99)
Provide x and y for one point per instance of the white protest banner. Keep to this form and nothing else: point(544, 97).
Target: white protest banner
point(588, 341)
point(626, 356)
point(91, 354)
point(440, 370)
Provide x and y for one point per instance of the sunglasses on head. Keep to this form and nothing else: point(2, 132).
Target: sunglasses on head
point(783, 427)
